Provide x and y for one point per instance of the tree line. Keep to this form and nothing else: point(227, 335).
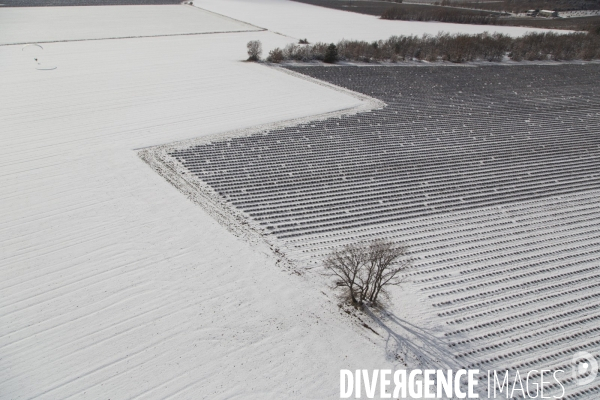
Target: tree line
point(456, 16)
point(456, 48)
point(521, 6)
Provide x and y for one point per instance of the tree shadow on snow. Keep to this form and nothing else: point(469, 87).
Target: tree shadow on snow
point(412, 345)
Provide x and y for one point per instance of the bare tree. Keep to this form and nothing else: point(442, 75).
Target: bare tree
point(388, 261)
point(365, 270)
point(254, 50)
point(345, 265)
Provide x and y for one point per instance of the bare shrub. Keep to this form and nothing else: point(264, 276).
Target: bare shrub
point(590, 52)
point(276, 55)
point(298, 53)
point(254, 50)
point(364, 271)
point(319, 50)
point(494, 47)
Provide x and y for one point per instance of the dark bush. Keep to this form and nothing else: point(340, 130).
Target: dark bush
point(331, 55)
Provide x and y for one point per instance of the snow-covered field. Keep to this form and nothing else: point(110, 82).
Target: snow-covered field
point(112, 283)
point(510, 287)
point(299, 21)
point(499, 207)
point(51, 24)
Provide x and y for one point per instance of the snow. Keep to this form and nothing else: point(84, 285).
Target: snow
point(299, 21)
point(501, 281)
point(514, 286)
point(49, 24)
point(112, 283)
point(115, 285)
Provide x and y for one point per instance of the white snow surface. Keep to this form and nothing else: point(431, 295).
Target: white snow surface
point(49, 24)
point(112, 283)
point(299, 21)
point(512, 286)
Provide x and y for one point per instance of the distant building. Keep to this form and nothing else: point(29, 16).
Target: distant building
point(548, 13)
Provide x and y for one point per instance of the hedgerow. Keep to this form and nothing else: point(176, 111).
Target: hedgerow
point(457, 48)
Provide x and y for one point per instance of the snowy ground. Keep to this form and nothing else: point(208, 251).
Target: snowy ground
point(113, 284)
point(51, 24)
point(497, 207)
point(299, 21)
point(510, 287)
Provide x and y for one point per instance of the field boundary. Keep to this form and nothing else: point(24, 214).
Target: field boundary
point(367, 104)
point(257, 29)
point(133, 37)
point(199, 192)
